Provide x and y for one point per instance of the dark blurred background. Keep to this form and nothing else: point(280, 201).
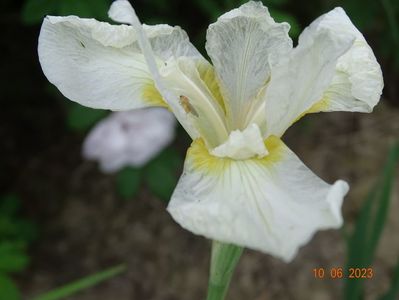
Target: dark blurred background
point(62, 219)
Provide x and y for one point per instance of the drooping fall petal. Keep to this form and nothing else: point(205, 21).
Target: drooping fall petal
point(273, 204)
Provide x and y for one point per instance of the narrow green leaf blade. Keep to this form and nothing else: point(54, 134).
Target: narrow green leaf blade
point(370, 223)
point(82, 284)
point(356, 245)
point(383, 200)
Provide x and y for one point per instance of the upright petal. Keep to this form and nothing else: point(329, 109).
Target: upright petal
point(301, 80)
point(123, 11)
point(357, 83)
point(243, 44)
point(197, 100)
point(101, 65)
point(274, 204)
point(166, 41)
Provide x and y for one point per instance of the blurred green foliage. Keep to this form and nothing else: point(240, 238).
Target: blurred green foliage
point(81, 118)
point(34, 11)
point(15, 236)
point(369, 226)
point(160, 175)
point(128, 182)
point(78, 117)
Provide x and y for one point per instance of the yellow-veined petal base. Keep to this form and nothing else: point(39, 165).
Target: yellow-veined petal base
point(273, 204)
point(207, 74)
point(319, 106)
point(152, 96)
point(203, 161)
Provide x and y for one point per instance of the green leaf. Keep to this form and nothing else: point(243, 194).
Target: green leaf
point(100, 8)
point(210, 8)
point(362, 13)
point(11, 228)
point(9, 205)
point(161, 181)
point(7, 227)
point(383, 201)
point(392, 21)
point(274, 2)
point(12, 257)
point(393, 291)
point(280, 16)
point(160, 174)
point(72, 288)
point(8, 290)
point(81, 118)
point(85, 8)
point(34, 11)
point(25, 230)
point(369, 225)
point(128, 182)
point(79, 8)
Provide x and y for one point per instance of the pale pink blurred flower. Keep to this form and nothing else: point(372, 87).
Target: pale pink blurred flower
point(129, 138)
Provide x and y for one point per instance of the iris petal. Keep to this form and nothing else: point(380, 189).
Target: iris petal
point(272, 204)
point(243, 45)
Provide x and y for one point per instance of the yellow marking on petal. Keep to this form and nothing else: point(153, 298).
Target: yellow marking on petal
point(207, 74)
point(321, 105)
point(201, 160)
point(275, 146)
point(152, 97)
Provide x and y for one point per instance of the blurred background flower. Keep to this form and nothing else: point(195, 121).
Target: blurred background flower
point(85, 221)
point(129, 138)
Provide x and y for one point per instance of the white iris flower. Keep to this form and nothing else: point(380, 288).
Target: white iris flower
point(241, 184)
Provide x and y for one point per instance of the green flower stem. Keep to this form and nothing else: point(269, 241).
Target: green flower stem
point(223, 263)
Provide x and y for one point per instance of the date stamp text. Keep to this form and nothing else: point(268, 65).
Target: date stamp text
point(341, 273)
